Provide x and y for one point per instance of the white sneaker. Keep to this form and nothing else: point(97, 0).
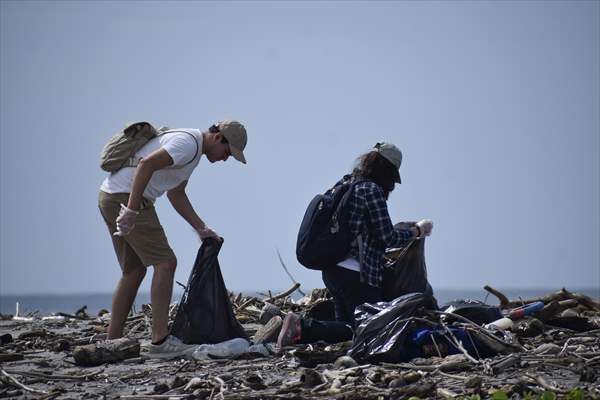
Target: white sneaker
point(171, 348)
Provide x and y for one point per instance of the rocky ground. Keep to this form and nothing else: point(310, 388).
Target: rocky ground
point(36, 361)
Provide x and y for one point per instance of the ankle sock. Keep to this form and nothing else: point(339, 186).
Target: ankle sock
point(161, 341)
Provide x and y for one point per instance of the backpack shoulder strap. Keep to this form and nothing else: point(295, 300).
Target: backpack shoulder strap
point(164, 130)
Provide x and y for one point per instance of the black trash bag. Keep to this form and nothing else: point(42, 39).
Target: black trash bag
point(408, 273)
point(577, 324)
point(205, 314)
point(473, 310)
point(383, 327)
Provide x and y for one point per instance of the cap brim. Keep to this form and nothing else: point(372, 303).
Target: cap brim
point(237, 154)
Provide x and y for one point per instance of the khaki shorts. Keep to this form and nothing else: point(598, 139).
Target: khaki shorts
point(146, 244)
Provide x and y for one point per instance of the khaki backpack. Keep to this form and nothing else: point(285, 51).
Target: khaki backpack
point(120, 150)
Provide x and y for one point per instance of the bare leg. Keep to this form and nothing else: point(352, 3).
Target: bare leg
point(160, 294)
point(123, 299)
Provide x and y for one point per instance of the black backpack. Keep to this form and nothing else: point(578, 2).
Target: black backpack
point(324, 237)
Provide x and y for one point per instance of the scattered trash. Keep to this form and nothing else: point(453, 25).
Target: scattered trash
point(383, 327)
point(6, 338)
point(227, 349)
point(501, 324)
point(109, 351)
point(542, 351)
point(473, 310)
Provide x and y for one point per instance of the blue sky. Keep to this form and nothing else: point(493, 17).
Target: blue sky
point(495, 106)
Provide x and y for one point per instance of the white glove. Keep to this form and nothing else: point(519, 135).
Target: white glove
point(206, 232)
point(425, 226)
point(125, 221)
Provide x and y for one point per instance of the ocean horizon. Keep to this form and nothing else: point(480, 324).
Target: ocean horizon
point(46, 304)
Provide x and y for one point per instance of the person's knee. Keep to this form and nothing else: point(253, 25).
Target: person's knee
point(137, 273)
point(167, 267)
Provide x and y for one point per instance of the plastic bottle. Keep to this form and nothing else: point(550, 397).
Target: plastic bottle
point(226, 349)
point(526, 310)
point(500, 324)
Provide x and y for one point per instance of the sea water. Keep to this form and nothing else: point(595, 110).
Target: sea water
point(45, 304)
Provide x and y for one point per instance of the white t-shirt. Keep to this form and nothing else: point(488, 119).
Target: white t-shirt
point(350, 263)
point(185, 148)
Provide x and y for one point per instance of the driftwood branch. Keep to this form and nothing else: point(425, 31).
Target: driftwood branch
point(284, 294)
point(106, 352)
point(155, 396)
point(559, 296)
point(501, 297)
point(288, 272)
point(245, 304)
point(4, 357)
point(55, 377)
point(19, 384)
point(542, 382)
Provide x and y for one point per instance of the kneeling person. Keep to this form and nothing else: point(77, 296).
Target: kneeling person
point(358, 279)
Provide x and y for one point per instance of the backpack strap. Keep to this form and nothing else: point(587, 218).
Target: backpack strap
point(193, 137)
point(134, 161)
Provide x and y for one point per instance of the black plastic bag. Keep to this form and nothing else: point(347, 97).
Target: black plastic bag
point(383, 327)
point(408, 273)
point(205, 314)
point(401, 330)
point(473, 310)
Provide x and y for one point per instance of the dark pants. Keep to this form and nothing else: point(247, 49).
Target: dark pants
point(348, 292)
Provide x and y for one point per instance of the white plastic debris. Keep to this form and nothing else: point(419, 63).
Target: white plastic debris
point(226, 349)
point(53, 318)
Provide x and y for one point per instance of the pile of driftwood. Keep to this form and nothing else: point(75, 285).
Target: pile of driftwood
point(66, 357)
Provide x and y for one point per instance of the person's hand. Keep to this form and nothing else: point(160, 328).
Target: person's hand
point(206, 232)
point(424, 226)
point(125, 221)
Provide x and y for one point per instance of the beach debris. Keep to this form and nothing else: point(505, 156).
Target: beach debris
point(345, 362)
point(4, 357)
point(109, 351)
point(5, 339)
point(227, 349)
point(548, 350)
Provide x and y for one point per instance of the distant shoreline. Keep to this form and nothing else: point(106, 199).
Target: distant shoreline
point(46, 304)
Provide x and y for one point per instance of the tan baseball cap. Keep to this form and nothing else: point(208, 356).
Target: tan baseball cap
point(390, 153)
point(236, 135)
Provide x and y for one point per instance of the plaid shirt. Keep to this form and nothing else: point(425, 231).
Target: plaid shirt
point(373, 230)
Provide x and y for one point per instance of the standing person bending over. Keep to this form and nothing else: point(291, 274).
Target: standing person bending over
point(126, 203)
point(358, 279)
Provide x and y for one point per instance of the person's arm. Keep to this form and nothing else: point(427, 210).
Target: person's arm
point(157, 160)
point(381, 223)
point(181, 203)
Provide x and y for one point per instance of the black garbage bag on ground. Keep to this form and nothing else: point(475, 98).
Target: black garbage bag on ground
point(473, 310)
point(408, 272)
point(383, 327)
point(205, 314)
point(401, 330)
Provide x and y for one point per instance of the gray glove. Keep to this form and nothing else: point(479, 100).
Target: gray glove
point(425, 226)
point(125, 221)
point(206, 232)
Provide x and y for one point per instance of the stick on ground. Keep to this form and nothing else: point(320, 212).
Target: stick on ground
point(19, 384)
